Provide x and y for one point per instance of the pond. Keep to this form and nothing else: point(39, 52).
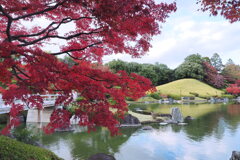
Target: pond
point(212, 135)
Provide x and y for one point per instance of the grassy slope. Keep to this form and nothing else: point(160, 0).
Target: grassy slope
point(14, 150)
point(183, 87)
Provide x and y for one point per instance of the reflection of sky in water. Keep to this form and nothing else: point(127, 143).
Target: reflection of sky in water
point(212, 137)
point(164, 144)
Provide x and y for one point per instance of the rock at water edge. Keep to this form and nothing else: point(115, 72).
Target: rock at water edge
point(129, 119)
point(176, 115)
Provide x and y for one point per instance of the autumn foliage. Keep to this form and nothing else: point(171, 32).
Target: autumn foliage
point(98, 28)
point(230, 9)
point(212, 77)
point(234, 88)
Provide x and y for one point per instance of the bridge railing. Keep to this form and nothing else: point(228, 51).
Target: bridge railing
point(48, 100)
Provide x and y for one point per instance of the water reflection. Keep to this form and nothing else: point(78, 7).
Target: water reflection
point(211, 136)
point(82, 145)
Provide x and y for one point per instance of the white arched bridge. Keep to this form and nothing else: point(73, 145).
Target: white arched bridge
point(48, 101)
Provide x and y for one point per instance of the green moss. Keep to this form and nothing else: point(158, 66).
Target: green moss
point(13, 150)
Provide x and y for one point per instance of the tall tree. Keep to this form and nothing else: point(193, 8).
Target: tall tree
point(99, 27)
point(212, 77)
point(229, 62)
point(117, 65)
point(216, 62)
point(191, 68)
point(164, 73)
point(231, 72)
point(149, 72)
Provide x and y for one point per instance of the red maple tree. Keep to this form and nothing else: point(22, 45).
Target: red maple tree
point(212, 77)
point(230, 9)
point(234, 88)
point(98, 28)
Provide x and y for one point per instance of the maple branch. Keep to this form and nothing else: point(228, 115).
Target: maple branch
point(63, 21)
point(26, 43)
point(40, 12)
point(78, 49)
point(76, 57)
point(16, 74)
point(21, 71)
point(10, 19)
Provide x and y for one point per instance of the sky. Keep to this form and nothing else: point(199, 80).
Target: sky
point(188, 31)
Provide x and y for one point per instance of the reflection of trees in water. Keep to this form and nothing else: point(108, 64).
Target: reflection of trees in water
point(233, 109)
point(213, 124)
point(85, 144)
point(99, 142)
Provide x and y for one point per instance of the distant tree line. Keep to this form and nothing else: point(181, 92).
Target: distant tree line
point(157, 73)
point(210, 70)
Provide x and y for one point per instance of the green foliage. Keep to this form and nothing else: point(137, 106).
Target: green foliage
point(3, 118)
point(80, 98)
point(157, 73)
point(129, 99)
point(216, 62)
point(175, 96)
point(11, 149)
point(117, 65)
point(228, 96)
point(194, 58)
point(191, 68)
point(231, 72)
point(155, 95)
point(229, 61)
point(26, 136)
point(148, 72)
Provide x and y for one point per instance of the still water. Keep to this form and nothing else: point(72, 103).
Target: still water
point(212, 135)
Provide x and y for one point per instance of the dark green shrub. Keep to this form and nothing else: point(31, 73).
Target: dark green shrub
point(11, 149)
point(228, 96)
point(129, 99)
point(194, 93)
point(176, 97)
point(3, 118)
point(155, 96)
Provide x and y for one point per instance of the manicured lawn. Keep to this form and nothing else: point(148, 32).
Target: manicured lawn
point(188, 87)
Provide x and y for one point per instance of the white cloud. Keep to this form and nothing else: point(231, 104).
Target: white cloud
point(189, 32)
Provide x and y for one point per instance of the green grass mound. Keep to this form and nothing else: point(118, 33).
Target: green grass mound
point(11, 149)
point(188, 87)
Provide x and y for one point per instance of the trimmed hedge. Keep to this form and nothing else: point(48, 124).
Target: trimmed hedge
point(11, 149)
